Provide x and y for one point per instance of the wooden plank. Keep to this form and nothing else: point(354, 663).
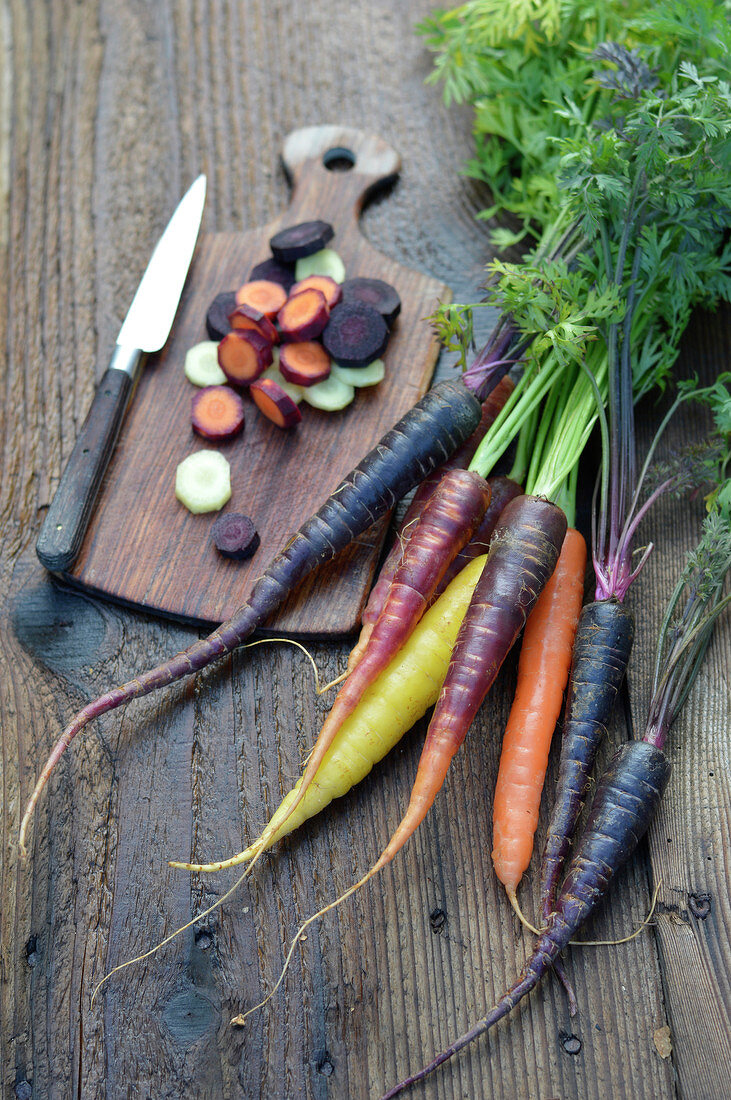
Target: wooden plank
point(110, 108)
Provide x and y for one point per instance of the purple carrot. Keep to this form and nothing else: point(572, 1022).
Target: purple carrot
point(426, 436)
point(460, 459)
point(601, 653)
point(627, 796)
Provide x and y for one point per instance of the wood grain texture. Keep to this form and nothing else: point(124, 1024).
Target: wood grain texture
point(144, 548)
point(106, 110)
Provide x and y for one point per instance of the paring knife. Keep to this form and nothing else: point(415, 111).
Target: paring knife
point(145, 329)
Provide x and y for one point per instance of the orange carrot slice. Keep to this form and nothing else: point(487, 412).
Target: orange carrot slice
point(243, 355)
point(246, 317)
point(305, 363)
point(278, 406)
point(262, 294)
point(303, 316)
point(327, 286)
point(217, 413)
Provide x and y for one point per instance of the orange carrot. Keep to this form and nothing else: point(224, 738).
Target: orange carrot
point(332, 291)
point(305, 363)
point(277, 406)
point(543, 672)
point(246, 317)
point(243, 355)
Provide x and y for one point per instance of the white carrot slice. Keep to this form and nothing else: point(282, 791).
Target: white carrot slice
point(203, 481)
point(325, 262)
point(330, 395)
point(201, 365)
point(360, 377)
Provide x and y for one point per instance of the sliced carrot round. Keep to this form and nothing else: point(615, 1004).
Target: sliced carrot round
point(246, 317)
point(332, 291)
point(303, 316)
point(271, 400)
point(217, 413)
point(305, 363)
point(262, 294)
point(243, 355)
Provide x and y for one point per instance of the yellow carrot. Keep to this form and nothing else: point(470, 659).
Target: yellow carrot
point(401, 695)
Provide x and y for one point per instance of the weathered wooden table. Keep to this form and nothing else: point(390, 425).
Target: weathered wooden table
point(107, 110)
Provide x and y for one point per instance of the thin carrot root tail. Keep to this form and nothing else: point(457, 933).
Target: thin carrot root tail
point(58, 750)
point(557, 965)
point(153, 950)
point(334, 683)
point(360, 647)
point(633, 935)
point(560, 971)
point(209, 868)
point(531, 976)
point(250, 855)
point(512, 898)
point(241, 1018)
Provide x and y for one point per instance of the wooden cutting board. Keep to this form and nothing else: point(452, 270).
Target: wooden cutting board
point(143, 547)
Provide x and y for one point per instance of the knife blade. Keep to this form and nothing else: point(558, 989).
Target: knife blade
point(145, 329)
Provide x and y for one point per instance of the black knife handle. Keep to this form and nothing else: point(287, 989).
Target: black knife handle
point(65, 524)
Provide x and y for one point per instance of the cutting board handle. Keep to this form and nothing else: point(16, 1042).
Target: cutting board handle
point(338, 165)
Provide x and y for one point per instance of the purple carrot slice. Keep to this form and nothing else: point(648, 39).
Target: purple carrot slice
point(273, 272)
point(374, 292)
point(217, 317)
point(355, 335)
point(235, 535)
point(295, 241)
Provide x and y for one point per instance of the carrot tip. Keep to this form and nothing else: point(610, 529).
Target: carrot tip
point(334, 683)
point(512, 898)
point(210, 868)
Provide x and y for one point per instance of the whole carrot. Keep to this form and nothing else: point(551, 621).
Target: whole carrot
point(448, 520)
point(423, 438)
point(543, 670)
point(399, 697)
point(523, 555)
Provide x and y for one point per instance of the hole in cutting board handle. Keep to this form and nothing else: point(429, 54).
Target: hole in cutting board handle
point(339, 159)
